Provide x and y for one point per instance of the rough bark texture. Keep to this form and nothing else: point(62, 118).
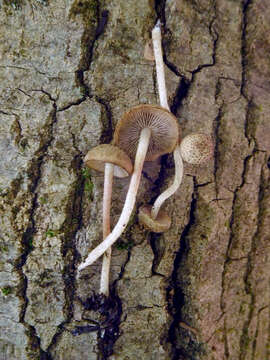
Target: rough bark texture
point(68, 70)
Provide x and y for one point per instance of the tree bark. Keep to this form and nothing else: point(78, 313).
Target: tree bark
point(69, 70)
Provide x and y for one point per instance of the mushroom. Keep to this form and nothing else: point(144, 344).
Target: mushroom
point(150, 218)
point(194, 148)
point(149, 132)
point(197, 148)
point(160, 223)
point(112, 161)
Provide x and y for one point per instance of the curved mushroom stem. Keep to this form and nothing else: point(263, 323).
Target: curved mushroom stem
point(129, 202)
point(175, 185)
point(107, 196)
point(156, 38)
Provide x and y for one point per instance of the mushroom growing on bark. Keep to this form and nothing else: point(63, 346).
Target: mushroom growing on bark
point(160, 223)
point(197, 148)
point(149, 132)
point(113, 161)
point(147, 217)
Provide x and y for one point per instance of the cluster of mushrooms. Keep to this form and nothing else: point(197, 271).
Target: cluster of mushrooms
point(144, 133)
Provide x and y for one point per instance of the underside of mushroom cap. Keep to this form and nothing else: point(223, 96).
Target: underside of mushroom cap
point(97, 157)
point(162, 123)
point(160, 224)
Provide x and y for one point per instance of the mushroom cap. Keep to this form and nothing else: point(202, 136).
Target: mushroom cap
point(97, 157)
point(162, 123)
point(160, 224)
point(197, 148)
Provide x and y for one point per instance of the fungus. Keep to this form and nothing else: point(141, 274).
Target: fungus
point(149, 132)
point(160, 223)
point(194, 148)
point(197, 148)
point(112, 161)
point(150, 218)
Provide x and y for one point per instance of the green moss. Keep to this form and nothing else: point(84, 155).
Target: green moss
point(6, 290)
point(88, 9)
point(30, 244)
point(43, 200)
point(123, 245)
point(3, 248)
point(88, 184)
point(51, 233)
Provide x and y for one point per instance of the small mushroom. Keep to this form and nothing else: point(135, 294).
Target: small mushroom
point(161, 223)
point(97, 157)
point(154, 214)
point(152, 131)
point(197, 148)
point(112, 161)
point(193, 149)
point(161, 123)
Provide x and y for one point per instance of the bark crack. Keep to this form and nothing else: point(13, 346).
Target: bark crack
point(244, 340)
point(36, 173)
point(177, 301)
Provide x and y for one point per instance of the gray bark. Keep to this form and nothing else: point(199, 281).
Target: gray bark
point(69, 70)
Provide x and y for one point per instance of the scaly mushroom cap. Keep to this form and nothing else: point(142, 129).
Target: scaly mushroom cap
point(162, 123)
point(197, 148)
point(107, 153)
point(160, 224)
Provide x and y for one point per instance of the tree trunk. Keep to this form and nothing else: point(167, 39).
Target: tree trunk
point(69, 70)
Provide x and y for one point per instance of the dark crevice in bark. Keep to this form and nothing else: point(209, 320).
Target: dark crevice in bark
point(246, 4)
point(216, 126)
point(181, 93)
point(95, 21)
point(44, 92)
point(244, 340)
point(158, 246)
point(160, 11)
point(178, 299)
point(75, 103)
point(230, 242)
point(250, 105)
point(35, 175)
point(107, 131)
point(244, 337)
point(88, 43)
point(254, 343)
point(72, 224)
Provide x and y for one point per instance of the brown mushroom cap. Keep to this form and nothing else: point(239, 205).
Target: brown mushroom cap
point(160, 224)
point(162, 123)
point(197, 148)
point(97, 157)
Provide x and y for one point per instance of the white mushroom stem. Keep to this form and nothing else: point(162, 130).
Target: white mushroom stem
point(175, 185)
point(107, 196)
point(129, 202)
point(156, 38)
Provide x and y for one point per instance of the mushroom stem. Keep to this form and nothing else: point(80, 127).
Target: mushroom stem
point(156, 38)
point(129, 203)
point(107, 196)
point(175, 185)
